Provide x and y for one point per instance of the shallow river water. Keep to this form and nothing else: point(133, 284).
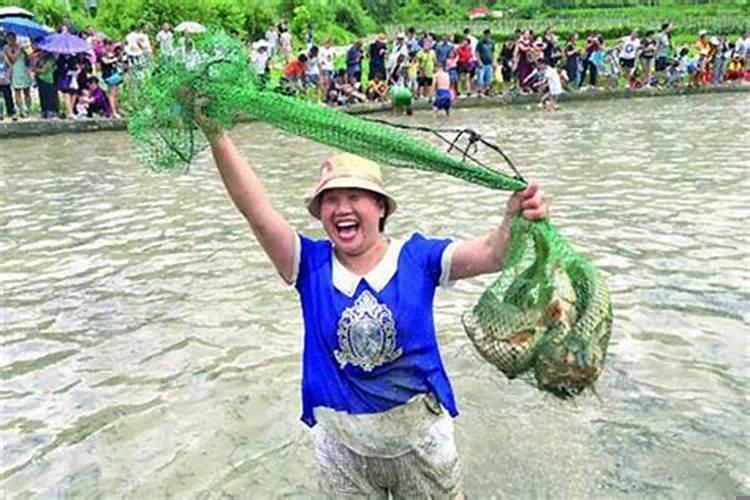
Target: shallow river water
point(148, 349)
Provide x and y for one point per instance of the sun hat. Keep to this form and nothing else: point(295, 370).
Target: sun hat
point(346, 170)
point(703, 33)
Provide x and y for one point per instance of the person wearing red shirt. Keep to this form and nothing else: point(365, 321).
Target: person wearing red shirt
point(466, 63)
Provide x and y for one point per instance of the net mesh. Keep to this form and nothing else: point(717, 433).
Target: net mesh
point(548, 313)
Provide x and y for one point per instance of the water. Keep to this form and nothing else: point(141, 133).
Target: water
point(149, 350)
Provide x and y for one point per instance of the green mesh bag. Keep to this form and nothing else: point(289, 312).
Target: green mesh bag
point(548, 313)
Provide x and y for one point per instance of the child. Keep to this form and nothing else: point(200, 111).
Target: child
point(554, 85)
point(451, 66)
point(442, 92)
point(99, 103)
point(612, 68)
point(401, 98)
point(412, 74)
point(294, 72)
point(377, 89)
point(82, 103)
point(673, 74)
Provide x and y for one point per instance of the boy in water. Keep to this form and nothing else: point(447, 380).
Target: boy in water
point(442, 91)
point(554, 85)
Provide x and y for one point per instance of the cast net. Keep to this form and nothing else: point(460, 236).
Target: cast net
point(548, 314)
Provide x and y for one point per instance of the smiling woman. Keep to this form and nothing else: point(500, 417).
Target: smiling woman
point(374, 389)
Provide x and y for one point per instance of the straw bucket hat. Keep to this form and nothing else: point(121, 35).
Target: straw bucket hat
point(346, 170)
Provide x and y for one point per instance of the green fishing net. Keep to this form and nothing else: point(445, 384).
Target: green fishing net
point(547, 316)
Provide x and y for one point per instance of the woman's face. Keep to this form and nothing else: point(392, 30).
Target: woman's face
point(351, 218)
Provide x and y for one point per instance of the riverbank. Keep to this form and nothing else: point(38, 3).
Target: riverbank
point(38, 127)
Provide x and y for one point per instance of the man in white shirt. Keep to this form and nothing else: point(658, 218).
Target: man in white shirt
point(629, 53)
point(326, 56)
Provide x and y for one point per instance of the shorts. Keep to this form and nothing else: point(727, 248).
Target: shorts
point(424, 81)
point(442, 99)
point(431, 469)
point(453, 75)
point(312, 80)
point(467, 68)
point(484, 79)
point(627, 63)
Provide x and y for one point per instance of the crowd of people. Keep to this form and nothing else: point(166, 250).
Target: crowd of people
point(410, 66)
point(81, 85)
point(525, 62)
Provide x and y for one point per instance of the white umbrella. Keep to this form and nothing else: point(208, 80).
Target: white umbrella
point(15, 12)
point(190, 27)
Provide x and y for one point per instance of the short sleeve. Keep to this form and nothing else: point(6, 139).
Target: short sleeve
point(307, 257)
point(434, 255)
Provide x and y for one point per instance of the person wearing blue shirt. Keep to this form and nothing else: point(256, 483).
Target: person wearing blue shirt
point(485, 54)
point(443, 49)
point(354, 63)
point(375, 392)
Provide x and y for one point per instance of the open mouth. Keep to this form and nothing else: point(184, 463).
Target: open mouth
point(347, 229)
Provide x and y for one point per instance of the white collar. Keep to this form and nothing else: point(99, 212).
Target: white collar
point(378, 277)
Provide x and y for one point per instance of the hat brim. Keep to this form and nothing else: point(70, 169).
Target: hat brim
point(313, 200)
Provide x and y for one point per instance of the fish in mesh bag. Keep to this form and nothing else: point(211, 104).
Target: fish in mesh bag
point(548, 312)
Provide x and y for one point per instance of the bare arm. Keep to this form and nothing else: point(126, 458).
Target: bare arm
point(249, 196)
point(486, 254)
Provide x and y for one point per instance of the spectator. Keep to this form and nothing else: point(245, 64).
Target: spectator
point(44, 69)
point(628, 56)
point(426, 71)
point(522, 60)
point(377, 52)
point(285, 41)
point(165, 39)
point(442, 49)
point(466, 64)
point(272, 35)
point(260, 57)
point(377, 89)
point(312, 69)
point(5, 87)
point(572, 59)
point(354, 63)
point(112, 63)
point(647, 55)
point(663, 48)
point(99, 104)
point(20, 74)
point(506, 59)
point(485, 55)
point(294, 74)
point(327, 55)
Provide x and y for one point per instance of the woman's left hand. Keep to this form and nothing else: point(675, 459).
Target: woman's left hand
point(531, 202)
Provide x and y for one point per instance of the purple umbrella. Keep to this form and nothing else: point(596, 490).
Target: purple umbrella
point(64, 43)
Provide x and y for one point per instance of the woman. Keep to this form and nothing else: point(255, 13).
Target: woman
point(44, 69)
point(507, 53)
point(466, 64)
point(111, 64)
point(374, 390)
point(20, 75)
point(522, 60)
point(572, 59)
point(648, 52)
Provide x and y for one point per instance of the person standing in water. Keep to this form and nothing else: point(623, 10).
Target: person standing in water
point(375, 393)
point(442, 92)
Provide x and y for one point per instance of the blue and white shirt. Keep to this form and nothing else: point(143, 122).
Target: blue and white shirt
point(370, 342)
